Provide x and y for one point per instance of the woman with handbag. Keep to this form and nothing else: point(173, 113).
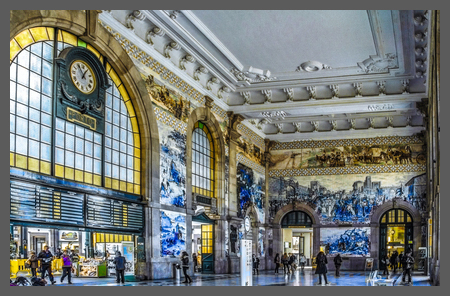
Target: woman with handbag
point(67, 268)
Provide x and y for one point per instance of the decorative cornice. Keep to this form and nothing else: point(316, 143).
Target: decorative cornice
point(347, 142)
point(247, 96)
point(268, 95)
point(132, 17)
point(249, 134)
point(240, 76)
point(312, 92)
point(200, 70)
point(169, 47)
point(290, 94)
point(376, 64)
point(186, 59)
point(153, 33)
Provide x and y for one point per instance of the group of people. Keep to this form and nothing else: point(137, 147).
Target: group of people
point(46, 257)
point(397, 261)
point(289, 262)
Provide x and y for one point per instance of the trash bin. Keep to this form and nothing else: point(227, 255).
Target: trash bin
point(177, 272)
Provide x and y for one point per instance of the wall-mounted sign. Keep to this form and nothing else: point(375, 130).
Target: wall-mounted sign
point(68, 235)
point(86, 120)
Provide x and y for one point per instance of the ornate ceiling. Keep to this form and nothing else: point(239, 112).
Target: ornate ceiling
point(294, 74)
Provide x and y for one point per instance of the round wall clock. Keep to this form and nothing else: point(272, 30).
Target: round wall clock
point(82, 76)
point(247, 223)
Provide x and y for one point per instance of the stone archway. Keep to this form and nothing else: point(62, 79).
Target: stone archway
point(277, 230)
point(395, 203)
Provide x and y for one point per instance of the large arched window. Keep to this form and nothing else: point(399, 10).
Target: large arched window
point(202, 161)
point(296, 218)
point(44, 143)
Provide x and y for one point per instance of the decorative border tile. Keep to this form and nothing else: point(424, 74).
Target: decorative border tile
point(347, 142)
point(170, 120)
point(256, 139)
point(375, 169)
point(240, 158)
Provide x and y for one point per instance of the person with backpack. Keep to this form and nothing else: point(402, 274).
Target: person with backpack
point(185, 266)
point(321, 268)
point(284, 261)
point(407, 266)
point(67, 268)
point(337, 263)
point(277, 262)
point(46, 258)
point(120, 261)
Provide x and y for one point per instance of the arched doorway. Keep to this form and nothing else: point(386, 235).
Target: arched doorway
point(297, 234)
point(396, 232)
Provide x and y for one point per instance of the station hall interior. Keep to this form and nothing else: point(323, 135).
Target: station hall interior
point(153, 132)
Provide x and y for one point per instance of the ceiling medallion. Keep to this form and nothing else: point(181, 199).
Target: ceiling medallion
point(312, 66)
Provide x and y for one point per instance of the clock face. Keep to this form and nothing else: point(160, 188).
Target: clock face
point(82, 76)
point(247, 224)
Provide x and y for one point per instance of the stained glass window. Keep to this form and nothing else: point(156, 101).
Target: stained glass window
point(202, 161)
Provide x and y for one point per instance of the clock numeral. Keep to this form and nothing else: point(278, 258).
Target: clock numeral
point(90, 86)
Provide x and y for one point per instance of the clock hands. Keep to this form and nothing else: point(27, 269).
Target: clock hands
point(84, 73)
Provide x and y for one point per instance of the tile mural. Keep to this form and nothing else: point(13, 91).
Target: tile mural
point(173, 166)
point(173, 233)
point(250, 187)
point(348, 241)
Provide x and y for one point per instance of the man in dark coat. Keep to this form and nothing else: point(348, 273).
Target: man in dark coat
point(321, 268)
point(407, 266)
point(120, 261)
point(384, 263)
point(46, 258)
point(255, 264)
point(394, 260)
point(337, 264)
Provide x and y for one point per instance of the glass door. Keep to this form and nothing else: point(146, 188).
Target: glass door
point(207, 248)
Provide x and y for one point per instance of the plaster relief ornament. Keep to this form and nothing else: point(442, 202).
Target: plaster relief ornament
point(290, 94)
point(212, 81)
point(297, 126)
point(390, 120)
point(132, 17)
point(246, 95)
point(420, 36)
point(420, 50)
point(187, 59)
point(381, 88)
point(279, 127)
point(240, 76)
point(405, 86)
point(174, 14)
point(260, 78)
point(352, 124)
point(371, 121)
point(376, 64)
point(315, 124)
point(312, 92)
point(200, 70)
point(171, 46)
point(358, 89)
point(261, 122)
point(334, 91)
point(268, 95)
point(408, 121)
point(223, 89)
point(153, 33)
point(312, 66)
point(333, 125)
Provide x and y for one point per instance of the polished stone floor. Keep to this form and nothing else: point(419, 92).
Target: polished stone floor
point(265, 278)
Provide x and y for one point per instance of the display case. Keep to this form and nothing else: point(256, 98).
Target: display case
point(92, 268)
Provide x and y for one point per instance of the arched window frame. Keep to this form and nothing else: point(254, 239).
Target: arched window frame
point(128, 184)
point(296, 218)
point(396, 216)
point(202, 174)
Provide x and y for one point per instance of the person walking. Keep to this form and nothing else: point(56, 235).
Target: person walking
point(284, 261)
point(194, 260)
point(46, 258)
point(255, 264)
point(67, 268)
point(185, 266)
point(321, 268)
point(302, 261)
point(33, 263)
point(393, 261)
point(291, 263)
point(58, 253)
point(407, 266)
point(120, 261)
point(337, 264)
point(384, 265)
point(400, 260)
point(277, 262)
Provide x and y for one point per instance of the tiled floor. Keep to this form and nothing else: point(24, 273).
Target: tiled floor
point(265, 278)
